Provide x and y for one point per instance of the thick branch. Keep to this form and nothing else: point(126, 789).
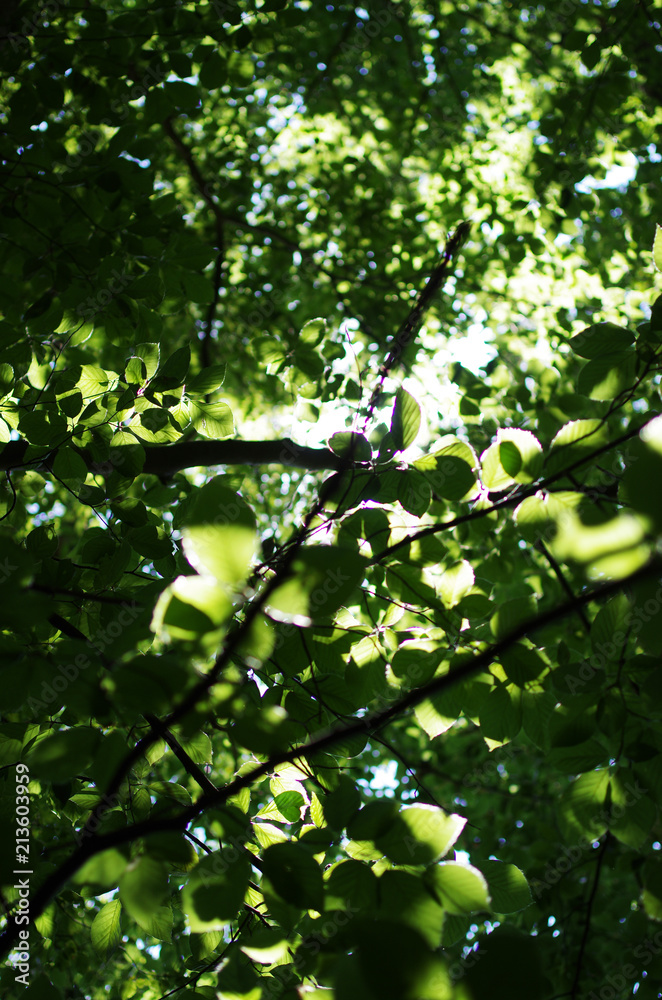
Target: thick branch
point(165, 460)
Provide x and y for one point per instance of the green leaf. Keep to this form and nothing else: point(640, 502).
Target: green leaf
point(207, 381)
point(215, 890)
point(657, 248)
point(631, 812)
point(420, 835)
point(405, 899)
point(450, 470)
point(289, 805)
point(63, 754)
point(537, 516)
point(405, 420)
point(609, 628)
point(41, 428)
point(190, 606)
point(501, 713)
point(104, 870)
point(651, 896)
point(143, 888)
point(159, 923)
point(390, 961)
point(213, 72)
point(435, 717)
point(150, 355)
point(602, 340)
point(606, 377)
point(198, 747)
point(414, 492)
point(516, 456)
point(613, 547)
point(219, 535)
point(642, 480)
point(342, 803)
point(212, 420)
point(135, 372)
point(577, 440)
point(507, 967)
point(494, 475)
point(511, 615)
point(582, 808)
point(459, 888)
point(522, 664)
point(267, 947)
point(455, 583)
point(6, 378)
point(70, 467)
point(351, 882)
point(415, 662)
point(172, 372)
point(127, 457)
point(313, 332)
point(106, 928)
point(508, 888)
point(264, 731)
point(349, 445)
point(240, 69)
point(183, 96)
point(323, 578)
point(294, 875)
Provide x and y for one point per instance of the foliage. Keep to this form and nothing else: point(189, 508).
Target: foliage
point(376, 717)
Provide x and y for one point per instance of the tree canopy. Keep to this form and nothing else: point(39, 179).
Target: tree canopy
point(330, 520)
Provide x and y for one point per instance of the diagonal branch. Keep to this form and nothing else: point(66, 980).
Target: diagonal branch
point(366, 725)
point(512, 499)
point(413, 321)
point(560, 576)
point(180, 753)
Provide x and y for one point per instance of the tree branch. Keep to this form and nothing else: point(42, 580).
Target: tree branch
point(512, 499)
point(560, 576)
point(589, 913)
point(363, 726)
point(165, 460)
point(413, 321)
point(184, 759)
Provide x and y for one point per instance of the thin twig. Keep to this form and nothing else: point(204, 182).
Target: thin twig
point(560, 576)
point(413, 321)
point(589, 912)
